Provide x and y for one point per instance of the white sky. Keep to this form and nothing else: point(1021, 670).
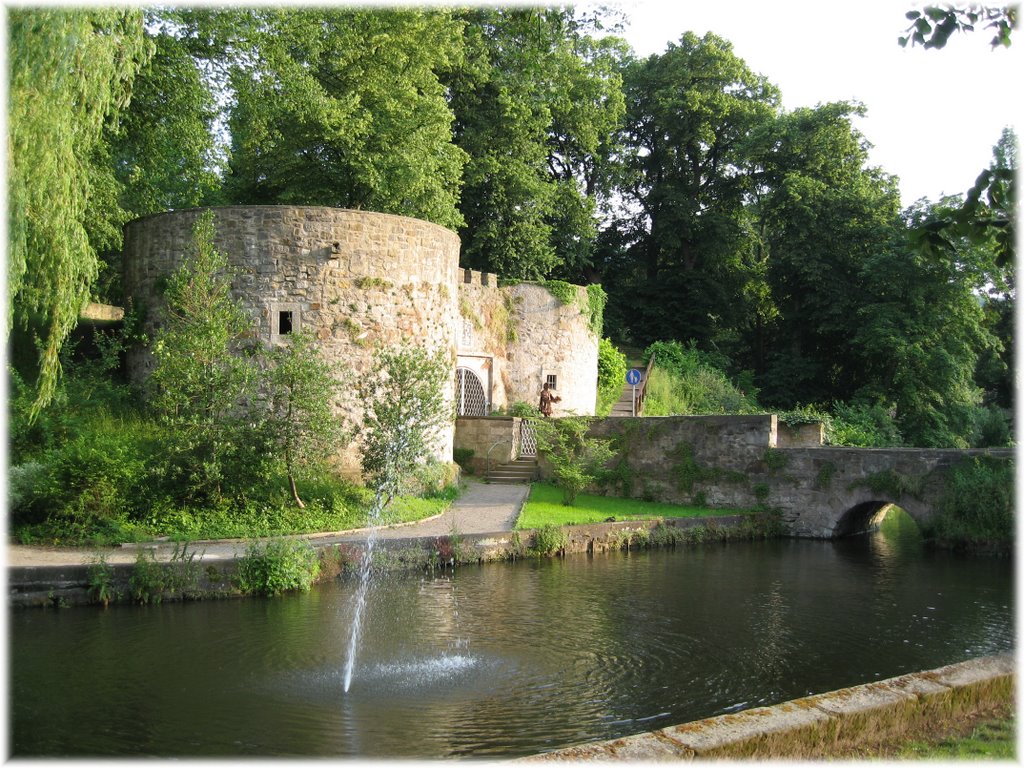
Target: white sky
point(933, 116)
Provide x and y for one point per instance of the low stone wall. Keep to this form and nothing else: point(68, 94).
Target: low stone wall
point(65, 585)
point(707, 460)
point(489, 437)
point(801, 435)
point(812, 726)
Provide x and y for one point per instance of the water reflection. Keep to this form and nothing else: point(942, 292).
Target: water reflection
point(502, 660)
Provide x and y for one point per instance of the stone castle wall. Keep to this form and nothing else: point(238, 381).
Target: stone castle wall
point(359, 280)
point(514, 336)
point(355, 279)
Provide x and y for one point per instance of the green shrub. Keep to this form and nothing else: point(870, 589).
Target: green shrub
point(25, 489)
point(278, 566)
point(549, 540)
point(977, 505)
point(149, 579)
point(101, 582)
point(611, 376)
point(991, 429)
point(431, 479)
point(524, 410)
point(863, 426)
point(576, 458)
point(686, 380)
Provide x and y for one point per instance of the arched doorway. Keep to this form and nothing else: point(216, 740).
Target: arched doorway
point(469, 393)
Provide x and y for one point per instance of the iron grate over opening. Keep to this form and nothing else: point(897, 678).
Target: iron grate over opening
point(469, 393)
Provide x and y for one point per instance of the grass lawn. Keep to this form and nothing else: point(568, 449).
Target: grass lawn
point(544, 507)
point(992, 739)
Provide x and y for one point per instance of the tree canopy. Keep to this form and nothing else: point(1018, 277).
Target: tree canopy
point(70, 76)
point(712, 216)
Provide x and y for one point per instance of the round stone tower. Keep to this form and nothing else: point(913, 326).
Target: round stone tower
point(357, 280)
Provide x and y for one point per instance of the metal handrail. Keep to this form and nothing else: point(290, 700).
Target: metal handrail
point(638, 405)
point(487, 458)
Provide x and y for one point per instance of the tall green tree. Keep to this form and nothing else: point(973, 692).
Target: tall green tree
point(164, 151)
point(70, 75)
point(690, 113)
point(405, 407)
point(345, 108)
point(201, 380)
point(820, 213)
point(921, 332)
point(537, 106)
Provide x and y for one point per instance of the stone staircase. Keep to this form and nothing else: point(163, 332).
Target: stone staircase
point(624, 405)
point(522, 470)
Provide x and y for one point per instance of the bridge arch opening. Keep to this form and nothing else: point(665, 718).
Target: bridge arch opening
point(863, 518)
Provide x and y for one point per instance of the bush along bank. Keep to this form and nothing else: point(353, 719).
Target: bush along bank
point(279, 566)
point(977, 512)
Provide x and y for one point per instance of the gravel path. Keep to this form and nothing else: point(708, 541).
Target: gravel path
point(481, 508)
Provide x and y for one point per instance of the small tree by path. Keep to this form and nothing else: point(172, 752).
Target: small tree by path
point(575, 458)
point(404, 407)
point(302, 426)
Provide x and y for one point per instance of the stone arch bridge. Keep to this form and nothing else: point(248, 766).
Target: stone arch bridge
point(830, 492)
point(740, 461)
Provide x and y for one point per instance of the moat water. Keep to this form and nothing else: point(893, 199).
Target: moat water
point(501, 660)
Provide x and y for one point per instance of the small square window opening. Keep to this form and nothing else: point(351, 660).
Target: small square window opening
point(284, 322)
point(552, 381)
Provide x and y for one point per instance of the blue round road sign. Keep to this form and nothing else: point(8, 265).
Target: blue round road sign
point(633, 376)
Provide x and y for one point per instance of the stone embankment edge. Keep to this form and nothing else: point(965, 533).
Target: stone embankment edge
point(66, 585)
point(811, 726)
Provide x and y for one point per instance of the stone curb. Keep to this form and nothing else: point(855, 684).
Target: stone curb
point(815, 719)
point(312, 537)
point(68, 583)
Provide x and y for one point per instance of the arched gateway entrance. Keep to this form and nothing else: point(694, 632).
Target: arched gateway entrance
point(469, 393)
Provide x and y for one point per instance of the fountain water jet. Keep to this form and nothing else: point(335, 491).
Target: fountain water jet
point(360, 596)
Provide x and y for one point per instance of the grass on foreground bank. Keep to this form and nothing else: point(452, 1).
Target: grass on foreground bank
point(993, 739)
point(544, 507)
point(330, 506)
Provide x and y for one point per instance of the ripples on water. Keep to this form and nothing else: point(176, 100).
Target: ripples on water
point(501, 660)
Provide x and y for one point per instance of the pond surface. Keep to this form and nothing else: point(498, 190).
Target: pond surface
point(504, 659)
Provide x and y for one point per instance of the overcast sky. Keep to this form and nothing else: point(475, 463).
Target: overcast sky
point(933, 116)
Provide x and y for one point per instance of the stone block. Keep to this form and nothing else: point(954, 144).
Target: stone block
point(725, 730)
point(973, 672)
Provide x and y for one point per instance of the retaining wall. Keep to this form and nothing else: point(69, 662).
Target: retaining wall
point(493, 439)
point(51, 585)
point(815, 725)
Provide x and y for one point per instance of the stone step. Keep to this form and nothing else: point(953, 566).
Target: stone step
point(522, 470)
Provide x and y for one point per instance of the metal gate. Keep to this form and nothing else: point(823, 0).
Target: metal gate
point(469, 393)
point(527, 438)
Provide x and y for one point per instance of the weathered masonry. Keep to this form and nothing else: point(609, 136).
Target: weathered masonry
point(360, 280)
point(737, 461)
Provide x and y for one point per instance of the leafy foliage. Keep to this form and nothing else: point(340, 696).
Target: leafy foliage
point(345, 108)
point(70, 74)
point(932, 26)
point(405, 405)
point(537, 106)
point(686, 380)
point(278, 566)
point(611, 376)
point(689, 113)
point(303, 429)
point(576, 458)
point(978, 505)
point(200, 378)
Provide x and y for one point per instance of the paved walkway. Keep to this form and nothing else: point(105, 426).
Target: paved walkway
point(481, 508)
